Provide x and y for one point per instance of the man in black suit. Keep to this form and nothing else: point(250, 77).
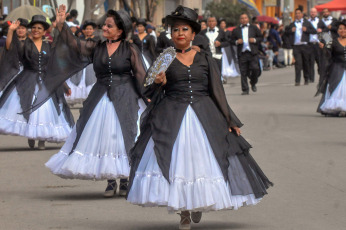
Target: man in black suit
point(164, 40)
point(247, 38)
point(328, 24)
point(300, 31)
point(217, 39)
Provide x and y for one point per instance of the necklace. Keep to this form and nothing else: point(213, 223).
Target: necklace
point(183, 51)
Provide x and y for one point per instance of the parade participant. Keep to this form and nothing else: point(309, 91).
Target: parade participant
point(230, 67)
point(315, 51)
point(247, 38)
point(204, 25)
point(164, 40)
point(300, 31)
point(333, 102)
point(327, 24)
point(53, 121)
point(190, 155)
point(22, 31)
point(287, 46)
point(107, 127)
point(145, 42)
point(50, 31)
point(82, 82)
point(217, 39)
point(151, 30)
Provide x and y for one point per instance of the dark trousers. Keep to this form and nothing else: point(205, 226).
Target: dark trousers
point(301, 54)
point(249, 68)
point(314, 57)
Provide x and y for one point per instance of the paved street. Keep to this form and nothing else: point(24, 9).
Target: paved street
point(302, 152)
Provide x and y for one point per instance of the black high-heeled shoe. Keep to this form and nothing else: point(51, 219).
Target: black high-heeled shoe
point(111, 189)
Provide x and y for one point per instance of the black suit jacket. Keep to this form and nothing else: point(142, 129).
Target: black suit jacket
point(254, 32)
point(333, 30)
point(306, 35)
point(222, 38)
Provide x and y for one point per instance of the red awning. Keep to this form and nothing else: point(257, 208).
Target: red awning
point(334, 5)
point(265, 18)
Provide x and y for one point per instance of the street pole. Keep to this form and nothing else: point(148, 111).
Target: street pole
point(286, 14)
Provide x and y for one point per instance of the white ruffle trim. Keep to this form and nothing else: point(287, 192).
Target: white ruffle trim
point(196, 180)
point(100, 152)
point(89, 166)
point(44, 124)
point(336, 102)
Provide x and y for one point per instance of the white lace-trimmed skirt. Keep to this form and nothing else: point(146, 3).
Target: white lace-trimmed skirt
point(196, 180)
point(44, 124)
point(78, 93)
point(228, 70)
point(335, 102)
point(100, 153)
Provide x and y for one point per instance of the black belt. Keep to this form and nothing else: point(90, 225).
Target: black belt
point(113, 80)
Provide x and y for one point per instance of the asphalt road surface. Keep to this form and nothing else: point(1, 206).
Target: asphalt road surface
point(302, 152)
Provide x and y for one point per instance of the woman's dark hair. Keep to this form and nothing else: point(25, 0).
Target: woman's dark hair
point(222, 20)
point(203, 20)
point(133, 19)
point(74, 13)
point(117, 21)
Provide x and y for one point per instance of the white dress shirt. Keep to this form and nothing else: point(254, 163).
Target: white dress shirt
point(314, 37)
point(212, 35)
point(245, 34)
point(327, 21)
point(299, 32)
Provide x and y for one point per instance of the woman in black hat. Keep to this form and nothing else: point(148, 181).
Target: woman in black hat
point(145, 42)
point(107, 127)
point(333, 102)
point(82, 82)
point(53, 121)
point(190, 155)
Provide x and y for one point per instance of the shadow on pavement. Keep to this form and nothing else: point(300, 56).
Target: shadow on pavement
point(57, 196)
point(27, 149)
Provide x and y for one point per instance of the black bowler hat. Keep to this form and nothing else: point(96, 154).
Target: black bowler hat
point(89, 23)
point(39, 19)
point(124, 19)
point(23, 22)
point(184, 14)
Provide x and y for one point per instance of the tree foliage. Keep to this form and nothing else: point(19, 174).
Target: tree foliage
point(228, 10)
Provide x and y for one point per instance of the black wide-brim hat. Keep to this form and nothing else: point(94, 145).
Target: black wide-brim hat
point(184, 14)
point(23, 22)
point(89, 23)
point(39, 19)
point(124, 18)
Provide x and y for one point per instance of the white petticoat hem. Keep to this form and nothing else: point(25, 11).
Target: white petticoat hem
point(89, 166)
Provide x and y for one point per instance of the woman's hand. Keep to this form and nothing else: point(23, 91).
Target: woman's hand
point(161, 78)
point(61, 14)
point(14, 25)
point(236, 129)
